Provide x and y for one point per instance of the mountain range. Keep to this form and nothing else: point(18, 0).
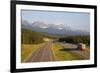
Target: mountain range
point(54, 29)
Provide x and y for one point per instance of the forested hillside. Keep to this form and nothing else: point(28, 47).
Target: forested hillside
point(76, 39)
point(30, 37)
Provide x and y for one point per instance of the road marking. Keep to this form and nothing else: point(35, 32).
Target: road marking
point(53, 52)
point(50, 50)
point(30, 55)
point(35, 55)
point(43, 53)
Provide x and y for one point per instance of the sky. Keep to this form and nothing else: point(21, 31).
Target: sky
point(75, 20)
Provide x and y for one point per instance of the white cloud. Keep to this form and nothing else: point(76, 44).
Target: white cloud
point(44, 27)
point(60, 28)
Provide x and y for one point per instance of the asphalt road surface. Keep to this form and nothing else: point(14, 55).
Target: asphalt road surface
point(43, 54)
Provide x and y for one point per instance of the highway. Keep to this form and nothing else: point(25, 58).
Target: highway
point(43, 54)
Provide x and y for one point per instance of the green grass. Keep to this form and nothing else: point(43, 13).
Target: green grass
point(64, 55)
point(27, 49)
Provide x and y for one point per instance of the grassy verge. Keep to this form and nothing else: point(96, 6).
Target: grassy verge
point(63, 55)
point(27, 49)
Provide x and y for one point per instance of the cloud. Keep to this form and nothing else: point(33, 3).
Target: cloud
point(60, 28)
point(44, 27)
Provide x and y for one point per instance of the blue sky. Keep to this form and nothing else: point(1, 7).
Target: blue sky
point(75, 20)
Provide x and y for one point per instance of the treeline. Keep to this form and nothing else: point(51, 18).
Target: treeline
point(76, 39)
point(30, 37)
